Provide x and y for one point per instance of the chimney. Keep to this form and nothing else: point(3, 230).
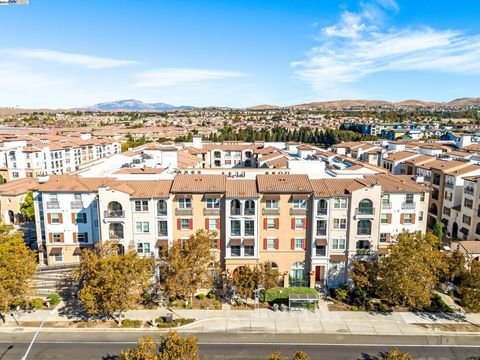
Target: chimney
point(197, 141)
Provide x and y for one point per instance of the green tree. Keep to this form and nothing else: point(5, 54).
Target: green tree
point(111, 283)
point(408, 275)
point(244, 281)
point(438, 231)
point(269, 277)
point(17, 267)
point(145, 350)
point(470, 288)
point(27, 207)
point(364, 275)
point(186, 265)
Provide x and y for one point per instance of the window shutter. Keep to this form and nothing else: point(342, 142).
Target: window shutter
point(62, 238)
point(179, 224)
point(86, 237)
point(389, 218)
point(304, 244)
point(292, 243)
point(276, 244)
point(75, 237)
point(60, 218)
point(388, 237)
point(50, 237)
point(74, 218)
point(84, 218)
point(265, 223)
point(49, 218)
point(277, 223)
point(218, 224)
point(219, 246)
point(293, 223)
point(264, 243)
point(305, 224)
point(402, 217)
point(413, 218)
point(191, 224)
point(207, 224)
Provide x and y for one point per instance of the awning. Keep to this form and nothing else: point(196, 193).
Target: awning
point(161, 243)
point(249, 242)
point(235, 242)
point(464, 231)
point(77, 251)
point(271, 197)
point(300, 196)
point(183, 196)
point(56, 251)
point(213, 196)
point(445, 221)
point(338, 258)
point(383, 250)
point(321, 242)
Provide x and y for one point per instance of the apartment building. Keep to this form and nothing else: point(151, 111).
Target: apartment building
point(308, 228)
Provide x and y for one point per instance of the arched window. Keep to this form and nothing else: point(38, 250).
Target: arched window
point(365, 207)
point(161, 208)
point(477, 231)
point(297, 271)
point(433, 209)
point(235, 207)
point(274, 265)
point(114, 209)
point(322, 207)
point(249, 207)
point(364, 227)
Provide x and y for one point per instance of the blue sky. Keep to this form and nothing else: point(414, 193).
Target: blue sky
point(61, 54)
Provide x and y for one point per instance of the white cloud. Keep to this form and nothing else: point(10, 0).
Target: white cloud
point(179, 76)
point(358, 46)
point(88, 61)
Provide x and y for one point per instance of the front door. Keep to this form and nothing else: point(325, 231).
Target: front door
point(319, 271)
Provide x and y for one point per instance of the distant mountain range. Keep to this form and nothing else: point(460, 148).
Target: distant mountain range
point(463, 102)
point(133, 105)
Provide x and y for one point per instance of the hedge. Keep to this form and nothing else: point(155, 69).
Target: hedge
point(279, 295)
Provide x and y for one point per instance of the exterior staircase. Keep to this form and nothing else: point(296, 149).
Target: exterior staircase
point(49, 280)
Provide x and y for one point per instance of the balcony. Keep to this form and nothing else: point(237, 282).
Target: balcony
point(249, 211)
point(271, 211)
point(408, 205)
point(427, 178)
point(235, 211)
point(114, 214)
point(162, 233)
point(322, 211)
point(183, 212)
point(320, 251)
point(53, 205)
point(449, 185)
point(365, 212)
point(116, 235)
point(76, 204)
point(208, 212)
point(469, 190)
point(386, 206)
point(321, 232)
point(298, 211)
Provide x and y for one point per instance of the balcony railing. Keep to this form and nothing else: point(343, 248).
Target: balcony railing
point(469, 191)
point(182, 212)
point(271, 211)
point(162, 233)
point(364, 231)
point(408, 205)
point(322, 211)
point(116, 235)
point(76, 204)
point(211, 211)
point(386, 206)
point(249, 211)
point(321, 232)
point(449, 185)
point(114, 214)
point(53, 205)
point(162, 213)
point(298, 211)
point(368, 211)
point(236, 211)
point(320, 251)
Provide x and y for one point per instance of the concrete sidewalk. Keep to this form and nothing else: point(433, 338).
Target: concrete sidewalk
point(267, 321)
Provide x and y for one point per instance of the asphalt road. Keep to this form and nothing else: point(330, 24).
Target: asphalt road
point(76, 345)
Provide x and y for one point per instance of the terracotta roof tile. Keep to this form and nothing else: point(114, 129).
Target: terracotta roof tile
point(241, 188)
point(276, 183)
point(199, 183)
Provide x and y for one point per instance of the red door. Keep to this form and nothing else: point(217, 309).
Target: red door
point(319, 273)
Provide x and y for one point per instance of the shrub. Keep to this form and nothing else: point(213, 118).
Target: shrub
point(341, 294)
point(175, 323)
point(127, 323)
point(36, 303)
point(279, 295)
point(160, 319)
point(54, 299)
point(212, 296)
point(437, 304)
point(201, 296)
